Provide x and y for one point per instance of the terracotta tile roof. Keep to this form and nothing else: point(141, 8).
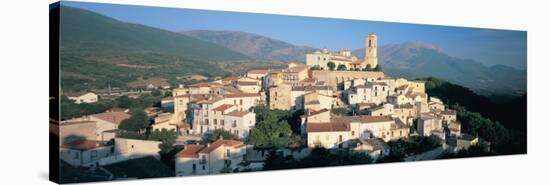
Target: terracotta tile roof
point(404, 106)
point(221, 142)
point(310, 88)
point(211, 100)
point(112, 117)
point(237, 113)
point(231, 78)
point(203, 84)
point(222, 107)
point(191, 151)
point(318, 112)
point(239, 95)
point(118, 109)
point(362, 119)
point(83, 145)
point(246, 83)
point(328, 127)
point(403, 87)
point(309, 80)
point(313, 102)
point(379, 83)
point(230, 90)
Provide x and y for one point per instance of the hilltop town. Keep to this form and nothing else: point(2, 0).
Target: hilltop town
point(336, 102)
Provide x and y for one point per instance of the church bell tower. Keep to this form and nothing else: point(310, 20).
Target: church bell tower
point(370, 50)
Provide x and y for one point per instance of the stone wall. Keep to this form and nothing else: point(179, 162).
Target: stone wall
point(334, 78)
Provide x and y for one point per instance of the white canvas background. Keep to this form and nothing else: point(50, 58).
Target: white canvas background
point(24, 90)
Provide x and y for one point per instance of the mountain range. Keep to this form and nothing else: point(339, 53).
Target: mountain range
point(419, 60)
point(96, 50)
point(253, 45)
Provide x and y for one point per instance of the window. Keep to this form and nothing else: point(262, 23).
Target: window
point(76, 155)
point(234, 123)
point(352, 133)
point(203, 167)
point(206, 121)
point(241, 102)
point(222, 122)
point(194, 168)
point(215, 122)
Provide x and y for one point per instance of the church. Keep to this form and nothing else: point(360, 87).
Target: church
point(343, 59)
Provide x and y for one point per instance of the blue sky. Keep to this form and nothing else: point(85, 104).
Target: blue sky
point(488, 46)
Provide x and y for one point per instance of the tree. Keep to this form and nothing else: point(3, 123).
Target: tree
point(271, 133)
point(331, 65)
point(221, 133)
point(341, 111)
point(167, 137)
point(342, 67)
point(137, 122)
point(378, 68)
point(124, 102)
point(156, 92)
point(368, 68)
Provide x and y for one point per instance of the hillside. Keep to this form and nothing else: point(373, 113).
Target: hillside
point(96, 50)
point(252, 45)
point(511, 114)
point(417, 60)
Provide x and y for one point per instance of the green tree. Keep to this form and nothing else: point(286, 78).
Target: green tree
point(316, 67)
point(137, 122)
point(272, 132)
point(378, 68)
point(156, 92)
point(221, 133)
point(331, 65)
point(368, 68)
point(341, 111)
point(167, 137)
point(341, 67)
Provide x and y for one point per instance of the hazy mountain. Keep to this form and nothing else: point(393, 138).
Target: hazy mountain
point(252, 45)
point(415, 60)
point(85, 29)
point(97, 50)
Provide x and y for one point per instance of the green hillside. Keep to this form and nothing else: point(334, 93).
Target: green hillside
point(512, 114)
point(96, 50)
